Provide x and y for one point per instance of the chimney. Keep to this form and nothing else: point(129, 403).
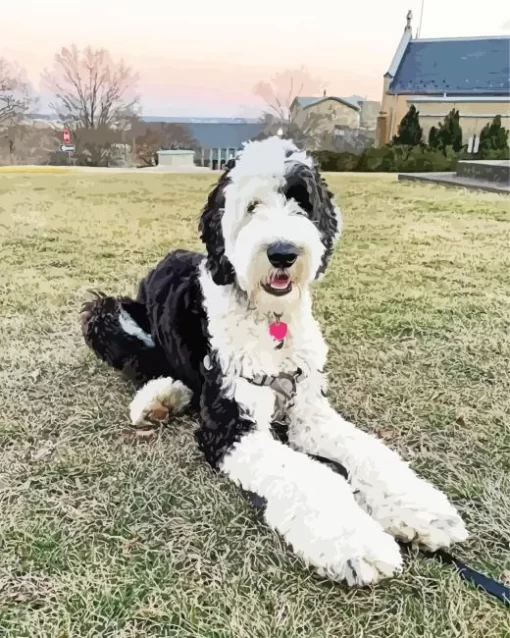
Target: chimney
point(409, 17)
point(324, 93)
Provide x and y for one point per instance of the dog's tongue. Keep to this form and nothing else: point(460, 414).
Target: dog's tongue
point(280, 280)
point(278, 330)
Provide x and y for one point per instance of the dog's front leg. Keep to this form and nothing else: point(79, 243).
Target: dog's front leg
point(311, 506)
point(405, 505)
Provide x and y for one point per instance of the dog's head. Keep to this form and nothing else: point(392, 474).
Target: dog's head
point(270, 223)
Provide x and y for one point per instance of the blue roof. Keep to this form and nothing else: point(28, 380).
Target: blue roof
point(217, 133)
point(224, 135)
point(199, 120)
point(461, 66)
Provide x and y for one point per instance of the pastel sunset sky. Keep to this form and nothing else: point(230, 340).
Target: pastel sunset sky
point(202, 58)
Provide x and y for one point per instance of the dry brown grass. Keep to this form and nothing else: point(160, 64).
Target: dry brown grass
point(104, 537)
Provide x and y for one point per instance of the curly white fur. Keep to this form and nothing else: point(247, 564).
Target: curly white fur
point(314, 510)
point(166, 392)
point(343, 529)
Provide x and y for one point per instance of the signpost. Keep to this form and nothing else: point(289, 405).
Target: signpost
point(67, 147)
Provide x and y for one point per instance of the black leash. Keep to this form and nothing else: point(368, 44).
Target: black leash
point(480, 581)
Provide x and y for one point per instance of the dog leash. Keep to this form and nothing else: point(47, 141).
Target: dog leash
point(480, 581)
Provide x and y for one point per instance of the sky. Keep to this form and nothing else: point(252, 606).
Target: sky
point(202, 58)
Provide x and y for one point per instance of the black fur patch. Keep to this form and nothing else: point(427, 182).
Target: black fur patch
point(211, 233)
point(169, 307)
point(104, 335)
point(280, 431)
point(221, 423)
point(173, 299)
point(309, 190)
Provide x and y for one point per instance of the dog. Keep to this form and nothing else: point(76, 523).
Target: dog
point(231, 336)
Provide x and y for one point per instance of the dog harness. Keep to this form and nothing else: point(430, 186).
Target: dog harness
point(284, 386)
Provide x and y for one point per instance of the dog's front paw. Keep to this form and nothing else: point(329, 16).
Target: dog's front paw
point(344, 546)
point(423, 515)
point(157, 400)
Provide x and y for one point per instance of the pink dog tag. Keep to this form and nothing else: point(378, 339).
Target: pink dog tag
point(278, 330)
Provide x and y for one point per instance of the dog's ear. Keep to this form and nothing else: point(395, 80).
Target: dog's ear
point(211, 233)
point(306, 186)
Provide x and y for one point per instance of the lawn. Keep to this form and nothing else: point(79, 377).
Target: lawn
point(108, 534)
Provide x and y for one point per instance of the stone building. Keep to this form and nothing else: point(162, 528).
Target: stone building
point(471, 75)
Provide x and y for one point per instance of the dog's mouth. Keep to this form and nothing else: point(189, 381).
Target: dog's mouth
point(279, 283)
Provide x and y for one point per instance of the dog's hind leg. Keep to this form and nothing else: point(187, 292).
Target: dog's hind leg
point(118, 331)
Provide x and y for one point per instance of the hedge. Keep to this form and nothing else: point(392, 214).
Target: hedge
point(389, 159)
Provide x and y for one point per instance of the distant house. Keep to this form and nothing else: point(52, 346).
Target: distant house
point(218, 138)
point(369, 110)
point(340, 123)
point(471, 75)
point(326, 116)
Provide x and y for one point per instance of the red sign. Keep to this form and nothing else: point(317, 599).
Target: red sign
point(67, 136)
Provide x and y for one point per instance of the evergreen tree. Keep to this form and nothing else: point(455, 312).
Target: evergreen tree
point(410, 132)
point(450, 132)
point(434, 137)
point(494, 136)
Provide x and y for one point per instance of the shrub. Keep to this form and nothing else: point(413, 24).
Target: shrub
point(410, 132)
point(501, 154)
point(433, 137)
point(448, 134)
point(59, 158)
point(493, 137)
point(408, 159)
point(389, 159)
point(334, 161)
point(386, 159)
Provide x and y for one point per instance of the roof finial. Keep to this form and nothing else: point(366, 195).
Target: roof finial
point(409, 17)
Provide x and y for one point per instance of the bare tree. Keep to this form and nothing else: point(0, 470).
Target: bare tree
point(28, 143)
point(95, 97)
point(150, 137)
point(91, 90)
point(305, 134)
point(279, 93)
point(16, 97)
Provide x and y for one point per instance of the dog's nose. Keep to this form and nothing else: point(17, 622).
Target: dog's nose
point(282, 254)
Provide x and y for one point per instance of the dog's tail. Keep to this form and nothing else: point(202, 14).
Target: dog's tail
point(117, 330)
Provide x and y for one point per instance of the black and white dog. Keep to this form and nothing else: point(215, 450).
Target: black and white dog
point(232, 335)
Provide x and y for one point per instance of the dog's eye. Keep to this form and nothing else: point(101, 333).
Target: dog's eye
point(253, 205)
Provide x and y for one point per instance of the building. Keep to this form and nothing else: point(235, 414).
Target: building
point(218, 139)
point(437, 75)
point(336, 123)
point(324, 117)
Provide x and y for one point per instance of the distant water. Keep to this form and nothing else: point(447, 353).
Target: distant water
point(199, 120)
point(174, 120)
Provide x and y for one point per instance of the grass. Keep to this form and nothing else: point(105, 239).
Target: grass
point(103, 535)
point(34, 169)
